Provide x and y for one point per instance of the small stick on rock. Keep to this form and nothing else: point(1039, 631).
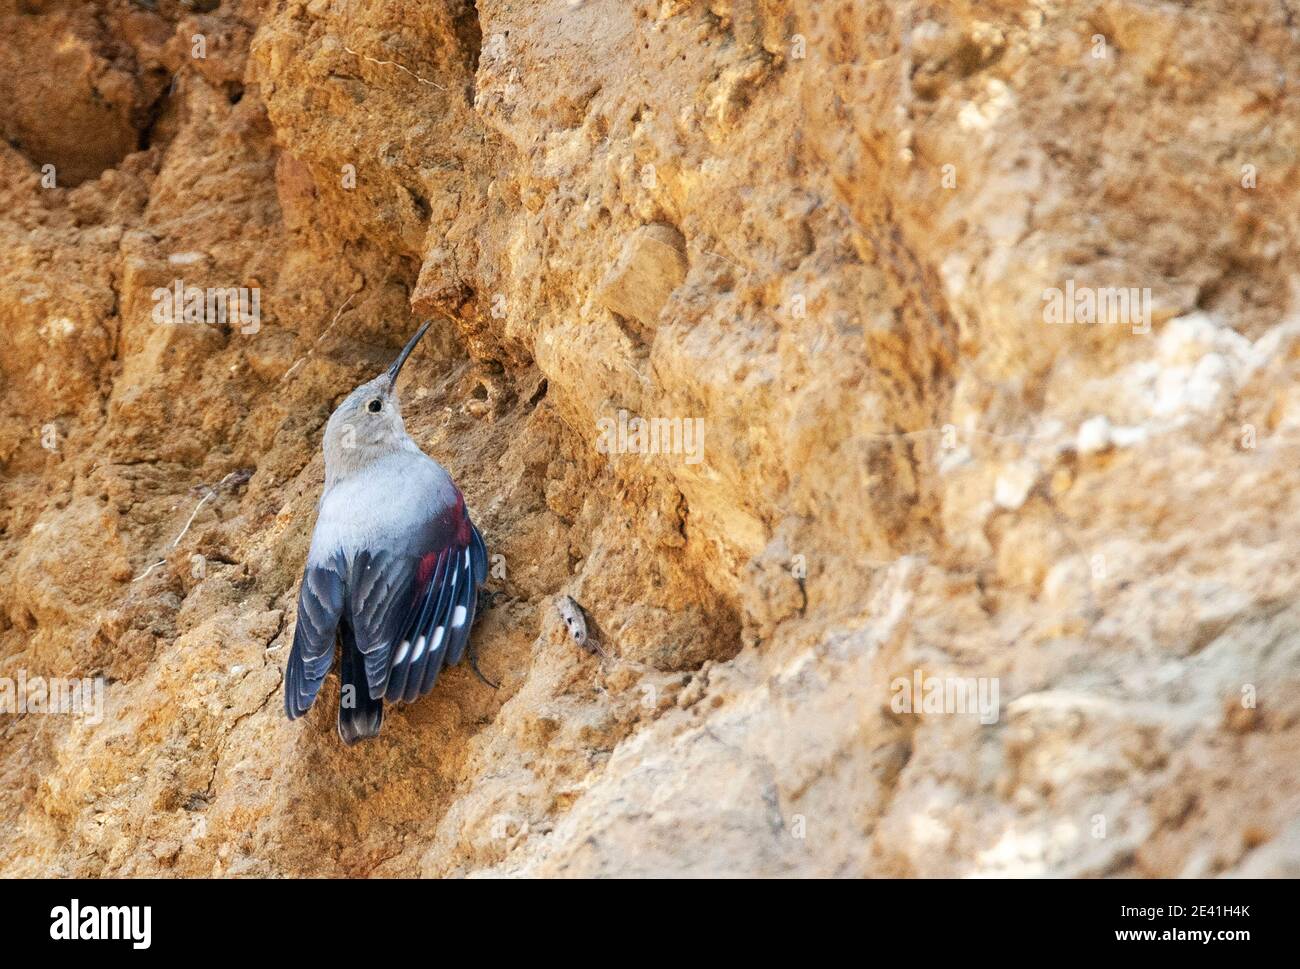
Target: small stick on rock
point(239, 477)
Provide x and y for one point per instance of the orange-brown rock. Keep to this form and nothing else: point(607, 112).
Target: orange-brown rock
point(752, 337)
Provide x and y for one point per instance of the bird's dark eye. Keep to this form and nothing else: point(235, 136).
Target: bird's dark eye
point(375, 406)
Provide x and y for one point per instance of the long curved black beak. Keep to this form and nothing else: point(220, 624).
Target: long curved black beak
point(396, 368)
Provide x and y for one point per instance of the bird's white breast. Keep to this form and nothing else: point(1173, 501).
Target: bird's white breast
point(381, 506)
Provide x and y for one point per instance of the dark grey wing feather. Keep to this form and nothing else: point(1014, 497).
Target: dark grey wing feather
point(478, 548)
point(437, 626)
point(381, 586)
point(320, 605)
point(462, 617)
point(425, 644)
point(407, 651)
point(437, 630)
point(423, 647)
point(360, 714)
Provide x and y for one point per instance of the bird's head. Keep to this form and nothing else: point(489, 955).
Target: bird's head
point(368, 424)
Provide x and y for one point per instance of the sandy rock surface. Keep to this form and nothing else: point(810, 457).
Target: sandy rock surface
point(818, 240)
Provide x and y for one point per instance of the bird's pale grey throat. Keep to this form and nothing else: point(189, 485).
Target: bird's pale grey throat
point(393, 572)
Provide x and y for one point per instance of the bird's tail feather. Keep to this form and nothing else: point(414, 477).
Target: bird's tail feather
point(360, 717)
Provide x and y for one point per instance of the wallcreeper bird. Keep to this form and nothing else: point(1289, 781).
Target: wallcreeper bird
point(394, 567)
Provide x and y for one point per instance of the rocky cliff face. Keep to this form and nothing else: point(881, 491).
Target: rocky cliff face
point(845, 251)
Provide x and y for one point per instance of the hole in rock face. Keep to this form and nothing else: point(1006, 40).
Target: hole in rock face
point(420, 204)
point(470, 32)
point(72, 94)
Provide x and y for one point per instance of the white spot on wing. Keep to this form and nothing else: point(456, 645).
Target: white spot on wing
point(437, 638)
point(401, 651)
point(419, 649)
point(458, 617)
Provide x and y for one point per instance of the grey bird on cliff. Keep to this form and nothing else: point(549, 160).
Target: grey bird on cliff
point(394, 567)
